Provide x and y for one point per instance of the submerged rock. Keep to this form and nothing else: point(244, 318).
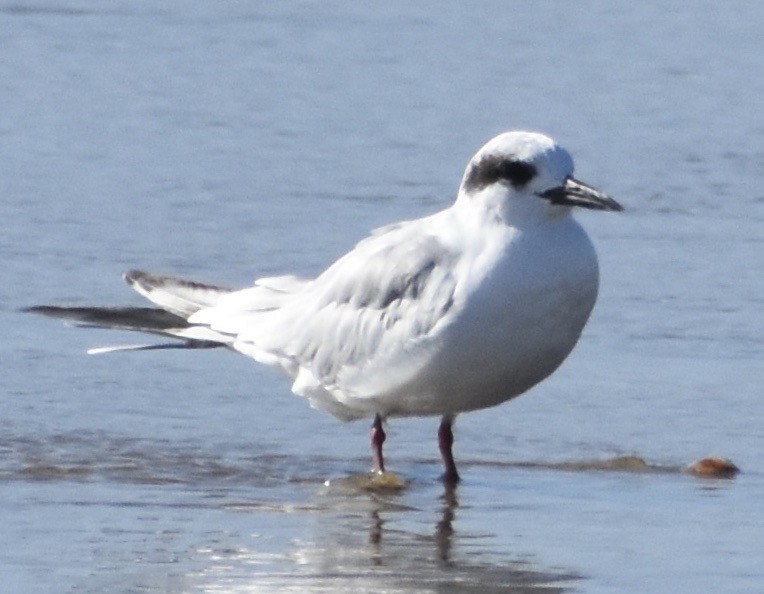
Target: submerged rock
point(370, 481)
point(713, 467)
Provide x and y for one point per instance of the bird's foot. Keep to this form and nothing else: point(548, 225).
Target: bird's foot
point(450, 478)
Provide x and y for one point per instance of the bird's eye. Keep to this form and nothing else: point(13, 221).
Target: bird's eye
point(490, 170)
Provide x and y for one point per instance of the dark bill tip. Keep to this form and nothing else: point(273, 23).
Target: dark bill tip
point(576, 193)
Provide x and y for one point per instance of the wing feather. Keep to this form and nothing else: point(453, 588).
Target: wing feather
point(371, 308)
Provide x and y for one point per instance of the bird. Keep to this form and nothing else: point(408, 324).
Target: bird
point(460, 310)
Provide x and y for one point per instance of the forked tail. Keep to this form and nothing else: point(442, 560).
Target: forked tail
point(177, 299)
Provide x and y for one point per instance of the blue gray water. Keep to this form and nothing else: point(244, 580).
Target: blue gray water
point(227, 141)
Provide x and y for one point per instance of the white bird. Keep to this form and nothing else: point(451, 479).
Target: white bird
point(453, 312)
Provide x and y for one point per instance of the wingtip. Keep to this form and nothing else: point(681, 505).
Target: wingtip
point(133, 276)
point(45, 310)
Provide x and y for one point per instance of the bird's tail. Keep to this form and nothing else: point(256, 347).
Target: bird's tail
point(175, 295)
point(177, 300)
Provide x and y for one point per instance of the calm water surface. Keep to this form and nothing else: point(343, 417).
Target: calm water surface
point(227, 141)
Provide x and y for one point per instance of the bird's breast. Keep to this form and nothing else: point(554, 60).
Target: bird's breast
point(522, 309)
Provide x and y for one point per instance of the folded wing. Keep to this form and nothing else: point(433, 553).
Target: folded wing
point(369, 311)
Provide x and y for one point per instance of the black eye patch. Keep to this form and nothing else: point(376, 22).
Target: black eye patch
point(490, 170)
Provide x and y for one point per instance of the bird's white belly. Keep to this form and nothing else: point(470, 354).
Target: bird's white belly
point(513, 331)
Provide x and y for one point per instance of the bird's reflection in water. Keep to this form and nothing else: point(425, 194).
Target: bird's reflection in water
point(375, 530)
point(442, 537)
point(368, 542)
point(403, 557)
point(444, 529)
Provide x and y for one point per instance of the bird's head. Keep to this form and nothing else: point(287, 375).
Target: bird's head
point(522, 173)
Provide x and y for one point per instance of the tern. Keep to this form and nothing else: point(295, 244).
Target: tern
point(457, 311)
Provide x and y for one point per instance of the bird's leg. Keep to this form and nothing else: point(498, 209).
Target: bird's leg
point(377, 439)
point(446, 442)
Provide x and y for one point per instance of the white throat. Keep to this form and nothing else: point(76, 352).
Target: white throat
point(515, 209)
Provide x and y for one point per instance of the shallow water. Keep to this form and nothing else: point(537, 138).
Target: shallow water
point(232, 141)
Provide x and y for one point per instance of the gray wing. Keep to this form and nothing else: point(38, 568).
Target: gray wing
point(372, 309)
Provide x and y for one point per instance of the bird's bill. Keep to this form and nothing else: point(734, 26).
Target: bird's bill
point(576, 193)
